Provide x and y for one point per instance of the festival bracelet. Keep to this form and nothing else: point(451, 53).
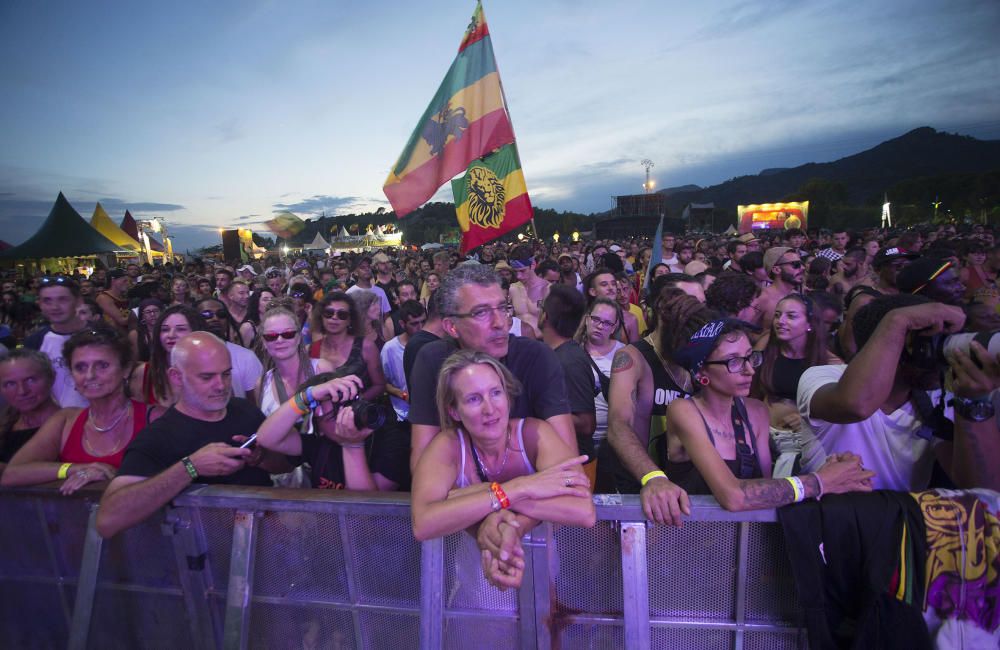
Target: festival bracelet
point(494, 502)
point(298, 403)
point(797, 488)
point(310, 400)
point(189, 468)
point(651, 475)
point(63, 470)
point(500, 495)
point(819, 482)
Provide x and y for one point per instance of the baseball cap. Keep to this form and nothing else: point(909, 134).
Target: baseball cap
point(886, 255)
point(615, 248)
point(247, 268)
point(694, 267)
point(747, 238)
point(772, 256)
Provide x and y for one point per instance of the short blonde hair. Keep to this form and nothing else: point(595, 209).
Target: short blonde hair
point(458, 361)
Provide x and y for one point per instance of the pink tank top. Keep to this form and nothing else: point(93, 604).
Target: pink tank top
point(73, 451)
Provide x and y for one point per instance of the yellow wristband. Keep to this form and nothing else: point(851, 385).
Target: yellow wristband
point(796, 491)
point(63, 470)
point(650, 476)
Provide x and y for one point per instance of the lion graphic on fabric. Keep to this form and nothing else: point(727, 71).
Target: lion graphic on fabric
point(486, 197)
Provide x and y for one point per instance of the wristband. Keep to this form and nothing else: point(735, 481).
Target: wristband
point(797, 488)
point(63, 470)
point(819, 482)
point(494, 502)
point(190, 468)
point(299, 404)
point(406, 396)
point(357, 445)
point(310, 400)
point(500, 495)
point(651, 475)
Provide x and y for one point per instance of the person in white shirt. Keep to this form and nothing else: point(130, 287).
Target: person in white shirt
point(412, 316)
point(58, 298)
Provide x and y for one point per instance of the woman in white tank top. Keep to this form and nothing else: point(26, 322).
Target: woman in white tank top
point(483, 462)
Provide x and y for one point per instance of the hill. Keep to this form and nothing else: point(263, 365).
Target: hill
point(860, 179)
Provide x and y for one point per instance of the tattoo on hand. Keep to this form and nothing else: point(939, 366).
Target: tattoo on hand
point(621, 362)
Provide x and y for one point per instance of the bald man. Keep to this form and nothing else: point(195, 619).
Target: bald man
point(193, 442)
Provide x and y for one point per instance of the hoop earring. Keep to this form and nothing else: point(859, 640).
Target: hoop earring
point(703, 380)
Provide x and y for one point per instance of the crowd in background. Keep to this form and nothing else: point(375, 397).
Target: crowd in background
point(504, 387)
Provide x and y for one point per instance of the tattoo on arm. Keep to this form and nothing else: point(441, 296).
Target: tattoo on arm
point(766, 492)
point(621, 362)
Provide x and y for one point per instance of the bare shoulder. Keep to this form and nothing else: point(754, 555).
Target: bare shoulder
point(625, 359)
point(756, 408)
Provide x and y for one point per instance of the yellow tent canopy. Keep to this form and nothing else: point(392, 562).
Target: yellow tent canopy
point(104, 225)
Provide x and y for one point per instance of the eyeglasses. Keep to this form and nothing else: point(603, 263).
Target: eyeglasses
point(796, 264)
point(484, 313)
point(600, 322)
point(207, 314)
point(271, 337)
point(56, 279)
point(339, 314)
point(736, 364)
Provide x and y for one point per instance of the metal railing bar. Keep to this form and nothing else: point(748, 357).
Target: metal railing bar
point(90, 565)
point(241, 569)
point(432, 593)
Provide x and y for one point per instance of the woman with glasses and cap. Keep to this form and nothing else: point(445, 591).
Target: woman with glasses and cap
point(84, 445)
point(337, 337)
point(717, 440)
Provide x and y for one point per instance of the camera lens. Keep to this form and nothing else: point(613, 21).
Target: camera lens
point(368, 415)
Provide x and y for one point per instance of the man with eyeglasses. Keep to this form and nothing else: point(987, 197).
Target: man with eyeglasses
point(476, 314)
point(247, 368)
point(786, 272)
point(58, 298)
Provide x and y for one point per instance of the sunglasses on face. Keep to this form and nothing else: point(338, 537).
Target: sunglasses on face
point(339, 314)
point(271, 337)
point(795, 264)
point(55, 279)
point(207, 314)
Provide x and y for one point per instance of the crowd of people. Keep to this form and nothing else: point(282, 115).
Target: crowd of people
point(507, 386)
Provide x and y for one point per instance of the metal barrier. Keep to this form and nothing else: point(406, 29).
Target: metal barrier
point(266, 568)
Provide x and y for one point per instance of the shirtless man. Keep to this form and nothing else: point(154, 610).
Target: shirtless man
point(786, 272)
point(643, 383)
point(530, 290)
point(853, 270)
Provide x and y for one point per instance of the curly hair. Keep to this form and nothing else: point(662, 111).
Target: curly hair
point(462, 275)
point(731, 293)
point(353, 326)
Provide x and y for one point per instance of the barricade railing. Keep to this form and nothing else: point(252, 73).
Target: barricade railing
point(233, 567)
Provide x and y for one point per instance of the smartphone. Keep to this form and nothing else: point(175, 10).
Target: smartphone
point(250, 441)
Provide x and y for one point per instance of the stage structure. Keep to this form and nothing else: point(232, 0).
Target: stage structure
point(773, 216)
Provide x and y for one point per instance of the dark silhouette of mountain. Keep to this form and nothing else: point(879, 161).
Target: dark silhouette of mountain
point(670, 191)
point(923, 152)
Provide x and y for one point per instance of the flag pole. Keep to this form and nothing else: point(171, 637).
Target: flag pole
point(506, 108)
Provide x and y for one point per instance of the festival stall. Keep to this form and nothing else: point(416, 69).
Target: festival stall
point(65, 242)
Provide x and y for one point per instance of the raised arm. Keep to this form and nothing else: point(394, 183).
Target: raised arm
point(870, 376)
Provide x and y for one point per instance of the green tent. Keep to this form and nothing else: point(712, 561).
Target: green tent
point(64, 234)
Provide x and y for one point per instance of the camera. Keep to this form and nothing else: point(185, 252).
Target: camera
point(933, 351)
point(369, 415)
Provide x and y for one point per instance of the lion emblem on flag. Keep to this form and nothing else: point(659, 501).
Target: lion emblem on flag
point(486, 197)
point(447, 123)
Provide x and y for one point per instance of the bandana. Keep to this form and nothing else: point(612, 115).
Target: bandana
point(519, 265)
point(693, 355)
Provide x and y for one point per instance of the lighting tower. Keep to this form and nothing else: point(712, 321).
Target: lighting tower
point(648, 164)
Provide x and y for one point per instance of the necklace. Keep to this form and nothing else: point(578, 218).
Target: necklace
point(93, 421)
point(482, 465)
point(118, 441)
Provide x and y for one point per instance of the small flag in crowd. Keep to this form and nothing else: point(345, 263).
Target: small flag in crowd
point(285, 225)
point(466, 119)
point(491, 199)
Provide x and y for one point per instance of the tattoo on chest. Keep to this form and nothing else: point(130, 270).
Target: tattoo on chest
point(722, 433)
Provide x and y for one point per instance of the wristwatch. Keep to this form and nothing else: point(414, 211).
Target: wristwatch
point(975, 410)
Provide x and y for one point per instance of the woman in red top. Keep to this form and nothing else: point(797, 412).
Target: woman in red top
point(85, 445)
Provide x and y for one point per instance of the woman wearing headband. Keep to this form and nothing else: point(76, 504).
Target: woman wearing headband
point(717, 441)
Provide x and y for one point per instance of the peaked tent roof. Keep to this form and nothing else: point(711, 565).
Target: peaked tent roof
point(129, 226)
point(155, 244)
point(104, 225)
point(63, 234)
point(317, 243)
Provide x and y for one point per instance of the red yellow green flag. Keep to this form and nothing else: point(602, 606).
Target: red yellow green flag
point(491, 199)
point(466, 119)
point(285, 225)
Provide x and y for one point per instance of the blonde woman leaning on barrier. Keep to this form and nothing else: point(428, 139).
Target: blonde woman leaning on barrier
point(483, 462)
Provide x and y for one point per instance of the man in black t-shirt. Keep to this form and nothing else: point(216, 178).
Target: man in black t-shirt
point(432, 331)
point(191, 442)
point(476, 314)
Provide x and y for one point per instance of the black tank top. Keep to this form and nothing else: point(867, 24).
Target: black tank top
point(746, 465)
point(665, 390)
point(785, 376)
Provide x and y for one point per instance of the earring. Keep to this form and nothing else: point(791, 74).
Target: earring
point(703, 380)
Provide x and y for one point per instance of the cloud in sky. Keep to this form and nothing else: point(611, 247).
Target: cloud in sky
point(267, 109)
